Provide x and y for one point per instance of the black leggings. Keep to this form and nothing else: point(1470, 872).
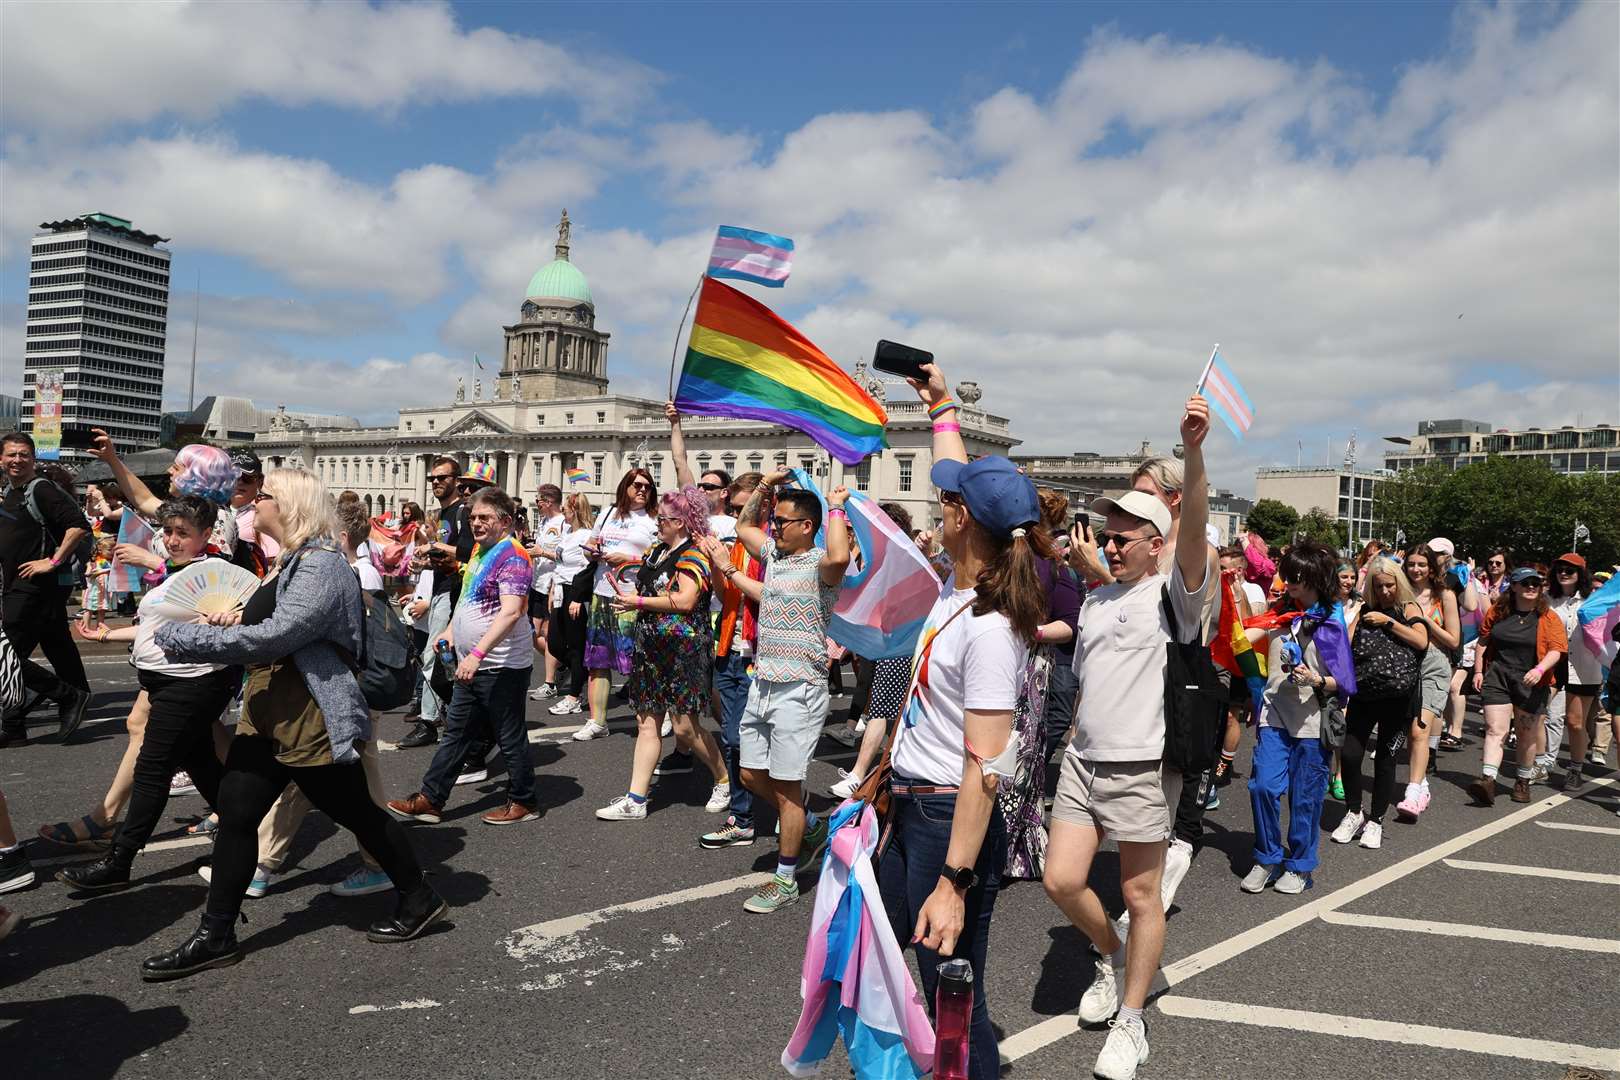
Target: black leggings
point(254, 778)
point(179, 735)
point(1392, 717)
point(565, 638)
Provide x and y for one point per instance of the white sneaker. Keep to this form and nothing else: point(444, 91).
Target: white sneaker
point(473, 776)
point(1292, 883)
point(624, 808)
point(1372, 836)
point(543, 691)
point(257, 886)
point(1101, 999)
point(845, 788)
point(1126, 1048)
point(1177, 861)
point(1258, 877)
point(180, 784)
point(592, 730)
point(666, 729)
point(845, 734)
point(719, 798)
point(1349, 827)
point(567, 706)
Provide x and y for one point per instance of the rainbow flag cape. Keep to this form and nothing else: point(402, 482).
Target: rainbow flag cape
point(745, 362)
point(578, 476)
point(1597, 616)
point(1231, 648)
point(855, 980)
point(476, 575)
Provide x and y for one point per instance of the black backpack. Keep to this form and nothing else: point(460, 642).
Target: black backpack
point(388, 668)
point(1194, 702)
point(71, 571)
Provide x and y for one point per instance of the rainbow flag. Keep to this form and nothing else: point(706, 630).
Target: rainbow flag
point(746, 255)
point(578, 476)
point(745, 362)
point(1231, 648)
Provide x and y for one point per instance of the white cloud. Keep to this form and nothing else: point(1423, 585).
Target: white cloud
point(137, 61)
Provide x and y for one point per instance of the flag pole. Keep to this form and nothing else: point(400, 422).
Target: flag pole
point(675, 352)
point(1208, 364)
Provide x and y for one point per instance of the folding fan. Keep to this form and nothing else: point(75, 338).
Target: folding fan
point(210, 587)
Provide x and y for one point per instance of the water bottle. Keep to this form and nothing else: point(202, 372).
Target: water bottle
point(446, 653)
point(953, 1014)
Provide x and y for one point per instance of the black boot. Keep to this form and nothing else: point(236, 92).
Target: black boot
point(212, 944)
point(104, 875)
point(71, 710)
point(417, 910)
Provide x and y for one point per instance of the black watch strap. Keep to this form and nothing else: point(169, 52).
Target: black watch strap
point(962, 878)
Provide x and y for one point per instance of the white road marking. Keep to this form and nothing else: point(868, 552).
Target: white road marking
point(1534, 871)
point(1602, 830)
point(419, 1003)
point(540, 735)
point(1464, 930)
point(528, 941)
point(160, 845)
point(1356, 1027)
point(1058, 1027)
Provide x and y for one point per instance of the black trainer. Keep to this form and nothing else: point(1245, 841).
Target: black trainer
point(16, 872)
point(423, 734)
point(212, 944)
point(674, 765)
point(103, 875)
point(13, 735)
point(416, 911)
point(70, 712)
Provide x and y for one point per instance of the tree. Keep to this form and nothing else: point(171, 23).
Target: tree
point(1274, 521)
point(1321, 527)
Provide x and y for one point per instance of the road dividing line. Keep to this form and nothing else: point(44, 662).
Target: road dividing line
point(1464, 930)
point(526, 941)
point(1601, 830)
point(1356, 1027)
point(1534, 871)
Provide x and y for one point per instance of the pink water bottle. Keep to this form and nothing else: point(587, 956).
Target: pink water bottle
point(953, 1013)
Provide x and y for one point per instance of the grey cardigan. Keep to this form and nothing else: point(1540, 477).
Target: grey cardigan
point(318, 610)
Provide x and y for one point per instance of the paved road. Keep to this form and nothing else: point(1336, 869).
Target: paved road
point(583, 949)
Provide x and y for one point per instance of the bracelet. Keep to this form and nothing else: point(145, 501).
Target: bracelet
point(476, 653)
point(638, 603)
point(838, 512)
point(105, 630)
point(941, 409)
point(941, 426)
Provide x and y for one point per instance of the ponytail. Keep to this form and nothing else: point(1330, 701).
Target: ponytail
point(1008, 584)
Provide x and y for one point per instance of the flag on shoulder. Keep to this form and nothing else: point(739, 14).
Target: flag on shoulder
point(746, 255)
point(1225, 394)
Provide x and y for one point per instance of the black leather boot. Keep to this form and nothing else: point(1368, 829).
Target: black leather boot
point(417, 910)
point(104, 875)
point(212, 944)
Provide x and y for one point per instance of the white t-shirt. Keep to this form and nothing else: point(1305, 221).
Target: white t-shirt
point(547, 535)
point(570, 561)
point(630, 535)
point(724, 527)
point(1119, 659)
point(370, 579)
point(145, 653)
point(1255, 595)
point(976, 663)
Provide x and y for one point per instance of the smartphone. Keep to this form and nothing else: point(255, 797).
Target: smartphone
point(1082, 521)
point(902, 360)
point(77, 438)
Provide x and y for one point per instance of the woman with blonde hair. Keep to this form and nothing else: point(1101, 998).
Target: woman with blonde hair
point(570, 601)
point(1387, 643)
point(1424, 569)
point(303, 720)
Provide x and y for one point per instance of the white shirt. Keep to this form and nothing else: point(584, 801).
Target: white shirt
point(370, 579)
point(546, 535)
point(724, 527)
point(145, 653)
point(1255, 595)
point(976, 663)
point(630, 535)
point(1119, 659)
point(570, 561)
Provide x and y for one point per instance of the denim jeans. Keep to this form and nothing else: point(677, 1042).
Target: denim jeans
point(731, 683)
point(437, 619)
point(908, 873)
point(1300, 769)
point(493, 698)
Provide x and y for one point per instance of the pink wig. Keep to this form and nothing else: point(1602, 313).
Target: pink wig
point(690, 506)
point(206, 471)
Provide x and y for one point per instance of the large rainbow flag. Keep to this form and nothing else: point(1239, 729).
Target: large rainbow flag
point(1231, 648)
point(743, 361)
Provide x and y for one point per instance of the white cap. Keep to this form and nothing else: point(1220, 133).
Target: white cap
point(1212, 534)
point(1443, 546)
point(1138, 504)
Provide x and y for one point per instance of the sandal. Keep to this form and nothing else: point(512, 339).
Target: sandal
point(1448, 741)
point(98, 838)
point(206, 827)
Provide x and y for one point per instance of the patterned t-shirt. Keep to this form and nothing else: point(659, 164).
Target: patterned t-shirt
point(476, 612)
point(793, 616)
point(659, 572)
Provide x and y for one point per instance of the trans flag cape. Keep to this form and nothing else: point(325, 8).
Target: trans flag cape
point(1331, 634)
point(1598, 615)
point(391, 546)
point(881, 607)
point(1231, 648)
point(856, 982)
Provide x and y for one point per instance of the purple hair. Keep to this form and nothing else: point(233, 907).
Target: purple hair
point(205, 471)
point(690, 506)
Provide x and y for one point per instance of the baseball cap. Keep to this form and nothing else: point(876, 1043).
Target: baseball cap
point(247, 461)
point(1525, 573)
point(1573, 560)
point(1138, 504)
point(997, 495)
point(1443, 546)
point(481, 471)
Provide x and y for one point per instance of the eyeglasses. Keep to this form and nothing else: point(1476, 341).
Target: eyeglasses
point(667, 519)
point(712, 487)
point(1119, 540)
point(1496, 562)
point(779, 521)
point(484, 519)
point(441, 478)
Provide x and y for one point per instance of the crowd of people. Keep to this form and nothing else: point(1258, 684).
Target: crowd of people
point(711, 605)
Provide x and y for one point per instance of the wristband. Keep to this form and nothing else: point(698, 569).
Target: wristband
point(941, 409)
point(837, 511)
point(56, 560)
point(476, 653)
point(638, 603)
point(946, 425)
point(1038, 630)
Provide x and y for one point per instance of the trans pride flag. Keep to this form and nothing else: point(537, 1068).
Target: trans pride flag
point(855, 980)
point(746, 255)
point(1598, 615)
point(1225, 395)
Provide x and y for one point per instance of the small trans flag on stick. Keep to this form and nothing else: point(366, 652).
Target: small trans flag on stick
point(747, 255)
point(1225, 394)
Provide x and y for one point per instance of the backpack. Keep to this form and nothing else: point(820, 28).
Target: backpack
point(71, 570)
point(1386, 667)
point(1194, 701)
point(388, 668)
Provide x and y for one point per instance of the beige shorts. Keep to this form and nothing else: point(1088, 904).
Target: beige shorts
point(1131, 801)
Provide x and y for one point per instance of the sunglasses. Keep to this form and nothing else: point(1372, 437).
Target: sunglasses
point(1531, 583)
point(712, 487)
point(442, 478)
point(1119, 540)
point(263, 496)
point(667, 519)
point(640, 485)
point(1570, 570)
point(779, 521)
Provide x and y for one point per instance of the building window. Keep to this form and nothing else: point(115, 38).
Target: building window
point(568, 418)
point(863, 475)
point(430, 424)
point(905, 474)
point(407, 425)
point(601, 416)
point(596, 470)
point(729, 463)
point(345, 472)
point(655, 465)
point(539, 419)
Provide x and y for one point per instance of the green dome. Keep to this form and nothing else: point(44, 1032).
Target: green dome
point(560, 279)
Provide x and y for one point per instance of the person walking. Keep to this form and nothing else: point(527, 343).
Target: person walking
point(1573, 708)
point(549, 526)
point(1522, 641)
point(620, 536)
point(443, 557)
point(1425, 570)
point(570, 602)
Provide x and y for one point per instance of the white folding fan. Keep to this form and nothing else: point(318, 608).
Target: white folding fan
point(210, 587)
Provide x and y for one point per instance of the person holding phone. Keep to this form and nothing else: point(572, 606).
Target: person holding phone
point(620, 536)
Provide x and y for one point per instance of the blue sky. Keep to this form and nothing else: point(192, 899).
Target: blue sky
point(1063, 199)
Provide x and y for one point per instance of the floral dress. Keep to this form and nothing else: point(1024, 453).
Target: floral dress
point(672, 648)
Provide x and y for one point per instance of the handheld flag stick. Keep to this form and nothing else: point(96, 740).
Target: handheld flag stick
point(674, 353)
point(1208, 364)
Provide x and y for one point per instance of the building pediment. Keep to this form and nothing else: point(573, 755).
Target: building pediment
point(478, 422)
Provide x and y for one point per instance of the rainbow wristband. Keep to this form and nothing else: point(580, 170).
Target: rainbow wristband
point(946, 425)
point(941, 409)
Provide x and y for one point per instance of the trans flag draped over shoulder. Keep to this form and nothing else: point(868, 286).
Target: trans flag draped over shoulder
point(855, 980)
point(1598, 615)
point(881, 607)
point(1326, 627)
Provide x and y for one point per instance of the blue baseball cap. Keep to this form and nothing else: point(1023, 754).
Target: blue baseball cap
point(997, 495)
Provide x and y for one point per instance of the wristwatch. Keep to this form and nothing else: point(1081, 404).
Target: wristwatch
point(961, 878)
